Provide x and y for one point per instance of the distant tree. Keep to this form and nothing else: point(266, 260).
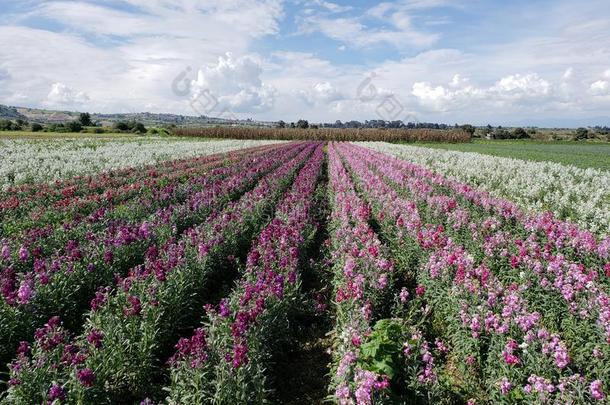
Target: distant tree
point(313, 126)
point(302, 124)
point(36, 127)
point(6, 125)
point(121, 126)
point(74, 126)
point(138, 128)
point(281, 124)
point(292, 125)
point(581, 133)
point(500, 133)
point(468, 128)
point(85, 119)
point(519, 133)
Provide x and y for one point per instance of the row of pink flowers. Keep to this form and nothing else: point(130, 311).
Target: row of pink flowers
point(237, 328)
point(361, 270)
point(489, 306)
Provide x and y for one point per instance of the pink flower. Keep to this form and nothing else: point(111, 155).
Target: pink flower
point(6, 252)
point(420, 290)
point(597, 390)
point(505, 386)
point(404, 295)
point(25, 292)
point(24, 254)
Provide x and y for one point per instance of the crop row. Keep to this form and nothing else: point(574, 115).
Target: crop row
point(62, 281)
point(328, 134)
point(505, 309)
point(570, 193)
point(130, 329)
point(28, 161)
point(441, 292)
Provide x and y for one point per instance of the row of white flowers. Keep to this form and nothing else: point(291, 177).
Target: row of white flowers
point(43, 160)
point(579, 195)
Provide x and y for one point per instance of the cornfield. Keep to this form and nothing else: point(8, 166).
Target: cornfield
point(328, 134)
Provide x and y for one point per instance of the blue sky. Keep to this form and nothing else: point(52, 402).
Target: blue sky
point(518, 62)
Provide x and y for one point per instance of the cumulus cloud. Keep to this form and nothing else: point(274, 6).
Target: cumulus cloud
point(62, 95)
point(460, 93)
point(521, 86)
point(601, 87)
point(321, 93)
point(235, 83)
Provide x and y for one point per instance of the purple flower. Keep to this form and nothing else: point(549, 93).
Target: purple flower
point(95, 337)
point(56, 392)
point(145, 230)
point(6, 252)
point(505, 386)
point(224, 309)
point(86, 377)
point(597, 390)
point(24, 254)
point(25, 293)
point(135, 306)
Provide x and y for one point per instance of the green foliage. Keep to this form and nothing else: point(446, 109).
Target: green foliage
point(468, 128)
point(130, 126)
point(36, 127)
point(581, 133)
point(74, 126)
point(382, 353)
point(85, 119)
point(520, 133)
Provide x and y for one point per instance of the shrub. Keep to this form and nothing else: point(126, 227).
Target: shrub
point(519, 133)
point(74, 126)
point(36, 127)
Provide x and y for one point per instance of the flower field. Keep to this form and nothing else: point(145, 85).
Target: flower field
point(420, 276)
point(41, 160)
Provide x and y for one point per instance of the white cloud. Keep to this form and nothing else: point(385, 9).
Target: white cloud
point(460, 94)
point(236, 84)
point(321, 93)
point(521, 86)
point(62, 95)
point(600, 87)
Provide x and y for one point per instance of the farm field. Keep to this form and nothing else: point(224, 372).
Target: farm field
point(592, 155)
point(33, 158)
point(185, 271)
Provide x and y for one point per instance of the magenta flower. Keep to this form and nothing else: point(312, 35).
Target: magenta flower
point(95, 337)
point(135, 306)
point(56, 392)
point(86, 377)
point(24, 254)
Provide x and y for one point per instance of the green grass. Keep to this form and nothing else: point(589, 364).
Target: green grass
point(580, 154)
